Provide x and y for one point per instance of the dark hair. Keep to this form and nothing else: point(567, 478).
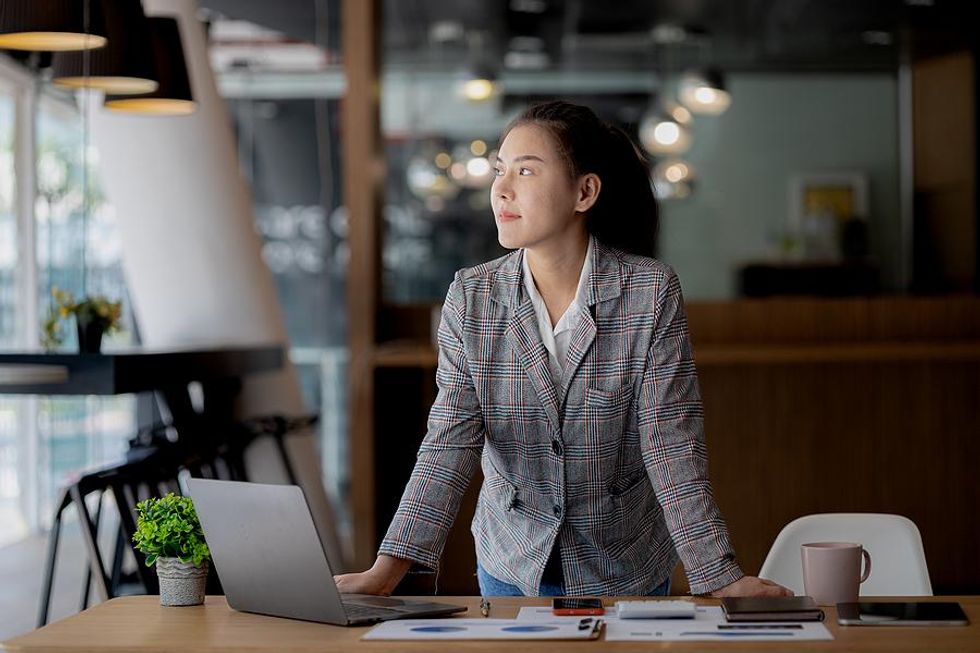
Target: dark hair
point(625, 215)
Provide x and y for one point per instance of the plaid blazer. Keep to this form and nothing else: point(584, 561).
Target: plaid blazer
point(612, 464)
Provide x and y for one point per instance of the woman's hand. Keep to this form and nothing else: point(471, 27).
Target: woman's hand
point(382, 578)
point(751, 586)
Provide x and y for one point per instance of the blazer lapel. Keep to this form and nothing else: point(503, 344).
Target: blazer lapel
point(522, 328)
point(604, 284)
point(578, 346)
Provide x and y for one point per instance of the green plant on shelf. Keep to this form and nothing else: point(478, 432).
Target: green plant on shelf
point(92, 310)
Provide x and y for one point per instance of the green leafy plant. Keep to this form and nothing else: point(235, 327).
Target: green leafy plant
point(168, 527)
point(92, 310)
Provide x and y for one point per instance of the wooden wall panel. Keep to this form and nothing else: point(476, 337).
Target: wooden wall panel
point(363, 174)
point(786, 441)
point(807, 320)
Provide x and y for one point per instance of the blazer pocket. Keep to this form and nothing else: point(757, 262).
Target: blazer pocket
point(497, 488)
point(608, 400)
point(628, 482)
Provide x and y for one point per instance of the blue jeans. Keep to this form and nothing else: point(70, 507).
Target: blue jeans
point(491, 586)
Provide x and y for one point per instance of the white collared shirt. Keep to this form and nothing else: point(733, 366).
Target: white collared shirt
point(556, 340)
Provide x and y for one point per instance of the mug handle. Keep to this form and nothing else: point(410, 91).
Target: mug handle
point(867, 564)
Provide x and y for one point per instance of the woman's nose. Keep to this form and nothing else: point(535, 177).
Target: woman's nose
point(502, 188)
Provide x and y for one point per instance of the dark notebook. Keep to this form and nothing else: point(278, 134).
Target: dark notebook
point(763, 608)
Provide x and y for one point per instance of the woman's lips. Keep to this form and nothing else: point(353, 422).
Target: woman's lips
point(507, 216)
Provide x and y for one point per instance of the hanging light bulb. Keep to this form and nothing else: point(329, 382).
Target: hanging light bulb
point(427, 178)
point(704, 92)
point(479, 84)
point(472, 170)
point(173, 95)
point(124, 65)
point(672, 179)
point(50, 25)
point(679, 113)
point(661, 133)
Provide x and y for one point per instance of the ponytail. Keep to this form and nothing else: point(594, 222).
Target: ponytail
point(625, 215)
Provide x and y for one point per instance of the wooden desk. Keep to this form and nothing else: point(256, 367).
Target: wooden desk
point(138, 624)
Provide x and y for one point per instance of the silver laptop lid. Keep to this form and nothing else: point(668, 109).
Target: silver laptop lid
point(266, 550)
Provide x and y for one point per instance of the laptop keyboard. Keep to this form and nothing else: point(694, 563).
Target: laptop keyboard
point(355, 611)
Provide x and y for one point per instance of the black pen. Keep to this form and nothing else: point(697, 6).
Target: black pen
point(759, 626)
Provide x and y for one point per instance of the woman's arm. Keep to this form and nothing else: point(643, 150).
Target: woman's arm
point(447, 459)
point(671, 422)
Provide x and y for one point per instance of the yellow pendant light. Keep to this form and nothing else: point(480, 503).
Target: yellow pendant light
point(173, 95)
point(49, 26)
point(124, 66)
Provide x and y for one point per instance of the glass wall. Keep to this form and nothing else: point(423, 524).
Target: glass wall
point(44, 441)
point(8, 220)
point(778, 143)
point(78, 249)
point(12, 524)
point(437, 217)
point(78, 245)
point(297, 189)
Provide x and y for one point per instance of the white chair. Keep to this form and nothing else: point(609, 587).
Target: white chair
point(898, 562)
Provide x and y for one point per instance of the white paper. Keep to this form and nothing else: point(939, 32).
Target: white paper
point(459, 629)
point(703, 628)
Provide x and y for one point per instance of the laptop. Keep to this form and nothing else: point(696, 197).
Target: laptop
point(270, 559)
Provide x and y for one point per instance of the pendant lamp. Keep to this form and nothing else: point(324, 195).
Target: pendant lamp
point(50, 25)
point(661, 133)
point(704, 92)
point(124, 65)
point(173, 95)
point(479, 81)
point(673, 179)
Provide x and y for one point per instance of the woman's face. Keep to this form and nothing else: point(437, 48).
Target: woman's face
point(534, 200)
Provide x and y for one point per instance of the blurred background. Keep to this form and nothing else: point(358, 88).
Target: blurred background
point(816, 168)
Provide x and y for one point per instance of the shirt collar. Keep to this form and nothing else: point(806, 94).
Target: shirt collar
point(581, 291)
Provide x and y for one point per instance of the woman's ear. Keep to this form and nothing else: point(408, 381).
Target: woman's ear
point(588, 192)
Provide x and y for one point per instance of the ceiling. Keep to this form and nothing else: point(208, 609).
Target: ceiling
point(746, 35)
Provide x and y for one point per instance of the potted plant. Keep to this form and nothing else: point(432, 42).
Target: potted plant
point(94, 316)
point(169, 534)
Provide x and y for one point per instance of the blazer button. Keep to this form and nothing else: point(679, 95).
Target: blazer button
point(556, 447)
point(557, 509)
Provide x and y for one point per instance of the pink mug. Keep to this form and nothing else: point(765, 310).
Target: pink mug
point(832, 571)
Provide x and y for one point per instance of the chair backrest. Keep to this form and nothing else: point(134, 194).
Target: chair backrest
point(129, 483)
point(898, 562)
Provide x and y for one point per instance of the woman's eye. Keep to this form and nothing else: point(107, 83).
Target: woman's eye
point(498, 172)
point(525, 171)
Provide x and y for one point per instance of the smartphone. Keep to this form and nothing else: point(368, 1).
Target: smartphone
point(566, 607)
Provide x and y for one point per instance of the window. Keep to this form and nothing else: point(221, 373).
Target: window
point(11, 523)
point(8, 222)
point(74, 245)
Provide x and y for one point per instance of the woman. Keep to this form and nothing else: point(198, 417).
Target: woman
point(566, 370)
